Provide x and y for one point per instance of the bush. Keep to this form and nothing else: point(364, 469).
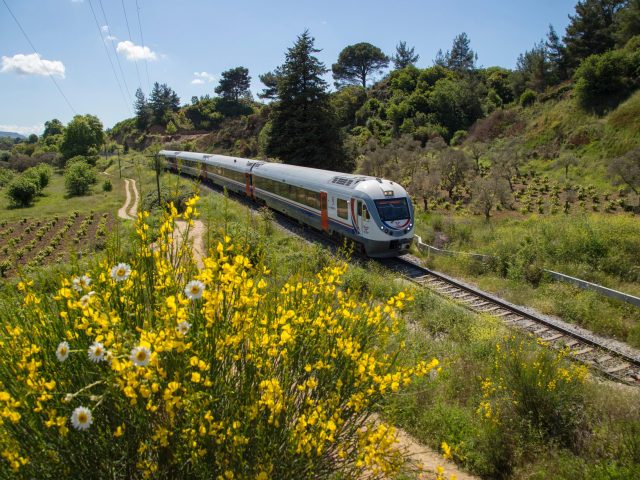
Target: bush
point(459, 137)
point(603, 81)
point(40, 174)
point(22, 190)
point(78, 178)
point(232, 376)
point(107, 186)
point(528, 98)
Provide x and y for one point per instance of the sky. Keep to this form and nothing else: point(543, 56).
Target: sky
point(188, 43)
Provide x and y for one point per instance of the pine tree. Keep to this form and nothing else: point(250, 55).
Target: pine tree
point(556, 53)
point(356, 62)
point(162, 101)
point(404, 56)
point(142, 109)
point(591, 29)
point(303, 125)
point(234, 84)
point(270, 81)
point(461, 58)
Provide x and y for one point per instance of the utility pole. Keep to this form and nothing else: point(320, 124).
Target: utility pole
point(157, 164)
point(119, 167)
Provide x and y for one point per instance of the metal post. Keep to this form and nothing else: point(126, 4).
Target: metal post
point(119, 167)
point(158, 179)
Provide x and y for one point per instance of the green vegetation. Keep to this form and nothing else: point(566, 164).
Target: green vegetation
point(78, 178)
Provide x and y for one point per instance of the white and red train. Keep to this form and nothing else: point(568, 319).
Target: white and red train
point(375, 213)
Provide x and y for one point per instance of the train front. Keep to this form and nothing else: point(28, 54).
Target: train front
point(387, 218)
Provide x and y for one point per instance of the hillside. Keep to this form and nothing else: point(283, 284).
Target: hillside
point(12, 135)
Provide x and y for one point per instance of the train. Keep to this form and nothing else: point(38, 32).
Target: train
point(374, 213)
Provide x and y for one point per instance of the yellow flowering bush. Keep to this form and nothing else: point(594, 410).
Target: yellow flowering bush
point(534, 390)
point(149, 367)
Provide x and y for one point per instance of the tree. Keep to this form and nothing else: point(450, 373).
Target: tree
point(357, 62)
point(404, 56)
point(626, 169)
point(33, 138)
point(565, 161)
point(591, 29)
point(83, 136)
point(270, 81)
point(163, 101)
point(234, 84)
point(556, 53)
point(627, 22)
point(453, 166)
point(488, 192)
point(78, 178)
point(461, 58)
point(532, 70)
point(142, 109)
point(52, 127)
point(22, 190)
point(303, 124)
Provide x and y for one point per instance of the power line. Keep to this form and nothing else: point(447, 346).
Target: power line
point(131, 40)
point(115, 52)
point(40, 60)
point(106, 51)
point(146, 63)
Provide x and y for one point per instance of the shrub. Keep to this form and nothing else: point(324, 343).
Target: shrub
point(528, 98)
point(107, 186)
point(78, 178)
point(226, 377)
point(22, 190)
point(458, 137)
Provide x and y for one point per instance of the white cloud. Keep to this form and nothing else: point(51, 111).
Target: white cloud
point(32, 64)
point(202, 78)
point(104, 28)
point(38, 129)
point(135, 52)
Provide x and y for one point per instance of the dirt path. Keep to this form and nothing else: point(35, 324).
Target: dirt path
point(129, 210)
point(196, 239)
point(133, 211)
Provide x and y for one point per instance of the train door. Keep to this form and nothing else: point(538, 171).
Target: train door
point(248, 184)
point(363, 217)
point(324, 216)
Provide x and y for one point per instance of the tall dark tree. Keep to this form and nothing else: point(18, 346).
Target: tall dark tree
point(52, 127)
point(142, 109)
point(461, 58)
point(532, 70)
point(83, 136)
point(303, 125)
point(163, 101)
point(234, 84)
point(404, 56)
point(270, 81)
point(627, 22)
point(556, 55)
point(591, 30)
point(357, 62)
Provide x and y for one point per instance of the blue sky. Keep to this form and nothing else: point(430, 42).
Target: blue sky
point(189, 43)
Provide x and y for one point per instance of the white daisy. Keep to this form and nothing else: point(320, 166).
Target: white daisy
point(96, 352)
point(81, 282)
point(140, 356)
point(84, 300)
point(81, 418)
point(120, 272)
point(194, 289)
point(62, 352)
point(183, 327)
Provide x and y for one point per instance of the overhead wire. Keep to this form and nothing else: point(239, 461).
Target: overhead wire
point(106, 51)
point(146, 63)
point(115, 51)
point(131, 40)
point(39, 59)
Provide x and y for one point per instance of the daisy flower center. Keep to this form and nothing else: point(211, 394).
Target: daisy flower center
point(120, 272)
point(83, 417)
point(141, 356)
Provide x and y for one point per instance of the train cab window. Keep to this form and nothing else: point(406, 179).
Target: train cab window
point(343, 209)
point(365, 213)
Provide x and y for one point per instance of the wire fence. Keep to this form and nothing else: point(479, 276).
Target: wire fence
point(578, 282)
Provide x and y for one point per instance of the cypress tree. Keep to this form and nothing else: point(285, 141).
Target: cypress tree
point(304, 128)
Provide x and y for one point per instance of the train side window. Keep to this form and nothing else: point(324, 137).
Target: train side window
point(359, 209)
point(343, 209)
point(365, 213)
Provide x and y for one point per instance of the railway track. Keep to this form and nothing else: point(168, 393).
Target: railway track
point(610, 362)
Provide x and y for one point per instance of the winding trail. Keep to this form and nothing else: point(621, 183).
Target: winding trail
point(196, 239)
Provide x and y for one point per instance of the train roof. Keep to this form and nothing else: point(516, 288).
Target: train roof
point(302, 176)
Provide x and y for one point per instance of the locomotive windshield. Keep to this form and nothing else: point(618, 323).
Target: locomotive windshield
point(393, 209)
